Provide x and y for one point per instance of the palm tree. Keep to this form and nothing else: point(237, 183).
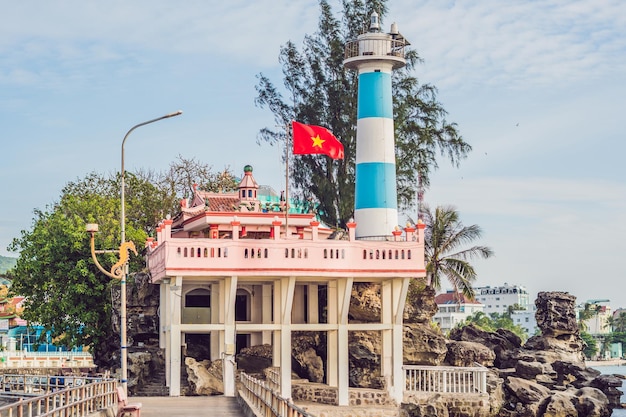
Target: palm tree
point(586, 314)
point(445, 238)
point(617, 322)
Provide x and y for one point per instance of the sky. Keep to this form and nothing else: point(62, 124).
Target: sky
point(536, 87)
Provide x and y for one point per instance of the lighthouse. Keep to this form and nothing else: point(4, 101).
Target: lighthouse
point(375, 55)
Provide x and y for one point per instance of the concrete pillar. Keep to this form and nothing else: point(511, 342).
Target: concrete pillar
point(387, 337)
point(162, 317)
point(287, 289)
point(313, 305)
point(230, 293)
point(400, 287)
point(277, 320)
point(175, 295)
point(331, 346)
point(344, 288)
point(215, 318)
point(298, 313)
point(165, 317)
point(266, 293)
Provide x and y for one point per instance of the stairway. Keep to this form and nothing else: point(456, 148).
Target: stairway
point(154, 387)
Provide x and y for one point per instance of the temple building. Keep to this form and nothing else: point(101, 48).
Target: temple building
point(238, 270)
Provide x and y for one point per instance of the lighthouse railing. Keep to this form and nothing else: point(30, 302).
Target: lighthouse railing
point(373, 47)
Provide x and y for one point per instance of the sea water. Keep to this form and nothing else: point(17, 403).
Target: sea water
point(620, 370)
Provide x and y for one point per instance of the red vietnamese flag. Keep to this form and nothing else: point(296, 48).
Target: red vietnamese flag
point(309, 139)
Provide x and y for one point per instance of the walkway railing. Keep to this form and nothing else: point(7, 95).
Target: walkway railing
point(266, 401)
point(24, 359)
point(446, 379)
point(71, 402)
point(17, 384)
point(273, 378)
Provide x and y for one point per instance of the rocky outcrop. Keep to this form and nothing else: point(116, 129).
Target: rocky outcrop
point(144, 354)
point(546, 376)
point(205, 377)
point(254, 359)
point(420, 305)
point(306, 362)
point(364, 358)
point(549, 376)
point(461, 353)
point(423, 345)
point(504, 343)
point(365, 304)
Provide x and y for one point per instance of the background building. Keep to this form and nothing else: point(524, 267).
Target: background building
point(454, 308)
point(499, 299)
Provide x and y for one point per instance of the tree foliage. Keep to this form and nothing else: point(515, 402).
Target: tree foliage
point(493, 322)
point(64, 290)
point(445, 251)
point(591, 345)
point(617, 323)
point(322, 92)
point(588, 312)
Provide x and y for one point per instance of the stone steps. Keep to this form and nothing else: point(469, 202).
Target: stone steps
point(155, 387)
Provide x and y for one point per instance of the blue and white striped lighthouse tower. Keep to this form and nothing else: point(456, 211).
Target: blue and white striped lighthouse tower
point(375, 55)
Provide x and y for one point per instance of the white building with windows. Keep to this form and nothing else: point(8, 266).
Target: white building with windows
point(525, 319)
point(454, 309)
point(499, 299)
point(598, 324)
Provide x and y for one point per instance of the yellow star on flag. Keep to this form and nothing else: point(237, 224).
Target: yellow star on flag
point(317, 141)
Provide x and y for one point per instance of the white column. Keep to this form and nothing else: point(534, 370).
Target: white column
point(175, 335)
point(165, 318)
point(331, 344)
point(344, 288)
point(230, 293)
point(386, 363)
point(287, 288)
point(400, 288)
point(266, 292)
point(298, 313)
point(277, 320)
point(313, 305)
point(215, 318)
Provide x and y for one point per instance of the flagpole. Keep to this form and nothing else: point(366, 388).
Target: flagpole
point(287, 182)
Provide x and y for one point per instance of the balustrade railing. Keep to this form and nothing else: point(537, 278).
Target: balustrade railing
point(266, 401)
point(26, 359)
point(446, 379)
point(70, 402)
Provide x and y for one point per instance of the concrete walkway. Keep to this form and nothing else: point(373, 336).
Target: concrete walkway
point(213, 406)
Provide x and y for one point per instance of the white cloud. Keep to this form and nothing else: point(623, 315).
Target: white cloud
point(514, 44)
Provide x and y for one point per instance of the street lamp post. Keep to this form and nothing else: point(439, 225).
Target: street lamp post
point(121, 271)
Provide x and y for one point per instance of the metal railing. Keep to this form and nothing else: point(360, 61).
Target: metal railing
point(267, 402)
point(446, 379)
point(41, 384)
point(70, 402)
point(25, 359)
point(378, 47)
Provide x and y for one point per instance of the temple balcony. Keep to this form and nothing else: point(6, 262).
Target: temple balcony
point(401, 256)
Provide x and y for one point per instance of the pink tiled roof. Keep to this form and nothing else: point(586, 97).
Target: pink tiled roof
point(452, 298)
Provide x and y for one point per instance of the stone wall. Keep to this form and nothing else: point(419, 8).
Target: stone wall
point(323, 394)
point(444, 405)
